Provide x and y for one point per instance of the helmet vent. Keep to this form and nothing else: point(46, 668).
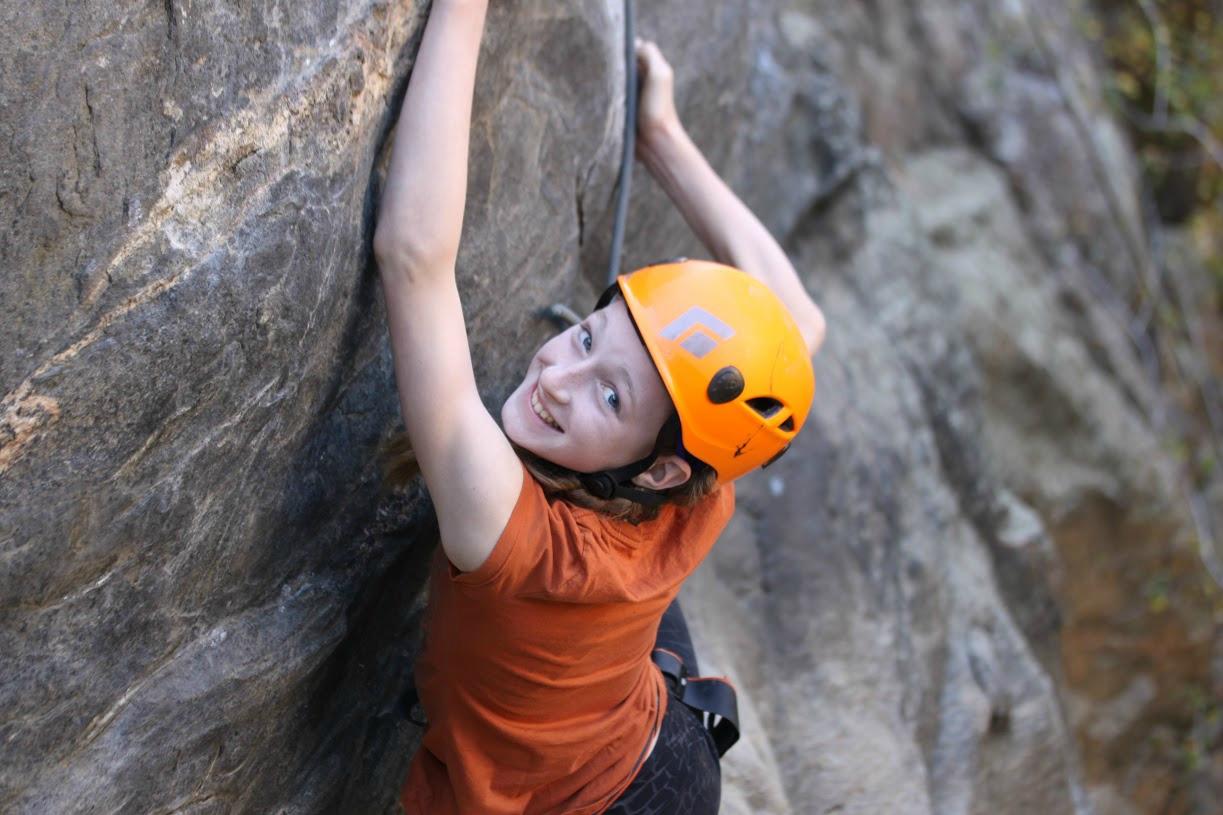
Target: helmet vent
point(787, 425)
point(766, 406)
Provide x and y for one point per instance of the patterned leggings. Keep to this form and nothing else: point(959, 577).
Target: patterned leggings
point(682, 775)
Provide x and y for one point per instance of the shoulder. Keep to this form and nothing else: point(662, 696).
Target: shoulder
point(715, 508)
point(537, 527)
point(697, 524)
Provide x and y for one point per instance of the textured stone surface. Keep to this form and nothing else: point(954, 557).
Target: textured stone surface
point(929, 605)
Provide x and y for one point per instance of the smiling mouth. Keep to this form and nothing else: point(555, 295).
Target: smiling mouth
point(542, 412)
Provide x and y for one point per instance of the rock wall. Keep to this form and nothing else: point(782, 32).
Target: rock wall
point(208, 605)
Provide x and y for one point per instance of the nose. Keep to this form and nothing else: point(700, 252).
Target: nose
point(556, 382)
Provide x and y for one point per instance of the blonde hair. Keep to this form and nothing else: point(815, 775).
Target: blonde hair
point(399, 468)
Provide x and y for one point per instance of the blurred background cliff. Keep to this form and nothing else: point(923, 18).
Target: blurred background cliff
point(987, 580)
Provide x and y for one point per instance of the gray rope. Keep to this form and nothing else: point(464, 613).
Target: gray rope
point(560, 313)
point(630, 143)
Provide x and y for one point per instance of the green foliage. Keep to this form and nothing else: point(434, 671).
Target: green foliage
point(1205, 734)
point(1205, 465)
point(1157, 592)
point(1158, 101)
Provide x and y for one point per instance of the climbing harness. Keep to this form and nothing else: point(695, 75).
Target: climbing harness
point(712, 698)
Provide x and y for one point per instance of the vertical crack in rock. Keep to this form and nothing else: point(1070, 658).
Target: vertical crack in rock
point(1074, 106)
point(93, 133)
point(581, 212)
point(171, 21)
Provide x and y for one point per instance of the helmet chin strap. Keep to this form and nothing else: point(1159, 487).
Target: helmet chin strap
point(608, 484)
point(617, 483)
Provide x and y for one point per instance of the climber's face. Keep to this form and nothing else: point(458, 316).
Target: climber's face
point(591, 399)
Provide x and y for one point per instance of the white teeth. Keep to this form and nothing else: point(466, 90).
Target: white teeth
point(541, 412)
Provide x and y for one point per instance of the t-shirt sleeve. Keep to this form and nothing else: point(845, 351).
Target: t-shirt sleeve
point(528, 547)
point(494, 564)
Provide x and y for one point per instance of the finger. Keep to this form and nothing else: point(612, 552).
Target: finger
point(640, 49)
point(649, 57)
point(658, 63)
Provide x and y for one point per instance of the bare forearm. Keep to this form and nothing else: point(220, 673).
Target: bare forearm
point(707, 204)
point(724, 224)
point(421, 215)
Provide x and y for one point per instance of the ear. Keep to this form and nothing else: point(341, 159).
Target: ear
point(667, 471)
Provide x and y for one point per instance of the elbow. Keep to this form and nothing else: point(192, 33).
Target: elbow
point(409, 256)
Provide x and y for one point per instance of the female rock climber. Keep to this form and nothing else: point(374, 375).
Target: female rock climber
point(567, 531)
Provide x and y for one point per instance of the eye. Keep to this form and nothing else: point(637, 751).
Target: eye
point(611, 398)
point(585, 338)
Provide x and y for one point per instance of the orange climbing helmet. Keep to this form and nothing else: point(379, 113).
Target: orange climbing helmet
point(731, 357)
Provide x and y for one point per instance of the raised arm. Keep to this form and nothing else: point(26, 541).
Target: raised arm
point(723, 223)
point(473, 474)
point(421, 215)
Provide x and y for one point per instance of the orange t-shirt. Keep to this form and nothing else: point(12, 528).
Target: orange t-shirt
point(535, 674)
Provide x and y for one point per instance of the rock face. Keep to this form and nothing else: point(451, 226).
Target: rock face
point(946, 599)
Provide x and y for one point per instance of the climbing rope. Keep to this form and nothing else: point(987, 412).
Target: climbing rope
point(559, 312)
point(630, 142)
